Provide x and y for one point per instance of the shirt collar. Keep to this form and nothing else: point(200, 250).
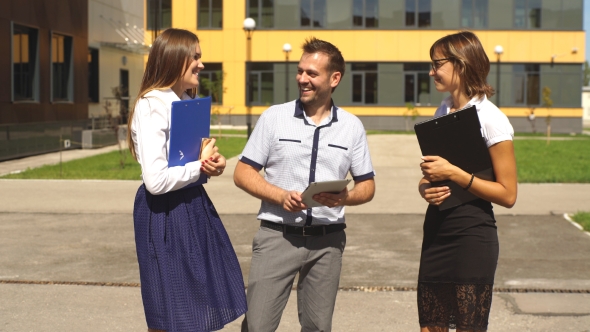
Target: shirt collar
point(475, 101)
point(300, 113)
point(167, 95)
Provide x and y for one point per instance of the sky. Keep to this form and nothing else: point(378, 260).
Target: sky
point(587, 27)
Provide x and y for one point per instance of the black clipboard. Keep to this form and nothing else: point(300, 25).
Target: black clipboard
point(457, 137)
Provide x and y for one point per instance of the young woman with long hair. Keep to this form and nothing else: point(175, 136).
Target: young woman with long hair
point(190, 276)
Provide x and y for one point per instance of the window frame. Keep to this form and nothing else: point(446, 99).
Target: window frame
point(258, 18)
point(527, 17)
point(209, 73)
point(526, 75)
point(416, 75)
point(93, 75)
point(312, 16)
point(69, 86)
point(149, 21)
point(210, 16)
point(486, 11)
point(363, 16)
point(259, 73)
point(363, 74)
point(36, 66)
point(416, 11)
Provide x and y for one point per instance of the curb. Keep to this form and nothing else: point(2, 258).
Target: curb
point(578, 226)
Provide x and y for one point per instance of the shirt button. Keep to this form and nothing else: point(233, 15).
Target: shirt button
point(313, 169)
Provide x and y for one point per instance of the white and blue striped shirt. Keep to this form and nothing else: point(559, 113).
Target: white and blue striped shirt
point(294, 151)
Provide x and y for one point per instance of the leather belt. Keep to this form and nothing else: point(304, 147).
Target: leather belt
point(303, 230)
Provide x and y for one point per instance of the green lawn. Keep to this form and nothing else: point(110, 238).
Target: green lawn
point(564, 161)
point(582, 218)
point(108, 165)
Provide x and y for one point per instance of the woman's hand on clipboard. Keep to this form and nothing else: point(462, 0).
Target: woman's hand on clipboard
point(434, 168)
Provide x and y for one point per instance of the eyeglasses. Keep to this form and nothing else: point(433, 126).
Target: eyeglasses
point(436, 64)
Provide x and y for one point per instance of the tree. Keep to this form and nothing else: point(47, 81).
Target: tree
point(216, 91)
point(548, 103)
point(586, 74)
point(411, 112)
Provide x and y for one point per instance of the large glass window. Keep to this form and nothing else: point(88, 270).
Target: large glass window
point(159, 14)
point(418, 13)
point(474, 14)
point(417, 83)
point(24, 63)
point(313, 13)
point(526, 89)
point(365, 13)
point(210, 14)
point(527, 14)
point(261, 84)
point(61, 68)
point(364, 83)
point(93, 86)
point(262, 11)
point(211, 82)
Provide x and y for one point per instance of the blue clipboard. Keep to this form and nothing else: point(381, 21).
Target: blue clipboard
point(190, 123)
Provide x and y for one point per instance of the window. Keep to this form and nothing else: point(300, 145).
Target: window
point(526, 84)
point(365, 13)
point(61, 68)
point(474, 14)
point(159, 14)
point(25, 81)
point(313, 13)
point(262, 11)
point(418, 13)
point(417, 83)
point(210, 14)
point(527, 14)
point(261, 84)
point(93, 87)
point(211, 82)
point(364, 83)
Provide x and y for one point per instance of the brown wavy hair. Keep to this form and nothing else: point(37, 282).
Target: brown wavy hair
point(470, 61)
point(170, 55)
point(335, 58)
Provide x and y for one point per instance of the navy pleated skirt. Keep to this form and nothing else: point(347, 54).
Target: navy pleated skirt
point(190, 276)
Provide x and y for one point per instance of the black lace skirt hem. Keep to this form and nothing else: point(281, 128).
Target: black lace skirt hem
point(454, 305)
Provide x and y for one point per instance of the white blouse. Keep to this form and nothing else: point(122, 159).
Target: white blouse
point(495, 126)
point(150, 132)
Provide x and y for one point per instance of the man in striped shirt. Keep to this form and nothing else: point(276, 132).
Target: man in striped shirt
point(299, 142)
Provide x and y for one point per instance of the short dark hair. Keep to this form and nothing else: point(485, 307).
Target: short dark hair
point(466, 53)
point(335, 59)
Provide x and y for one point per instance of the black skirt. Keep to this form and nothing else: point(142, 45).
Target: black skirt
point(457, 267)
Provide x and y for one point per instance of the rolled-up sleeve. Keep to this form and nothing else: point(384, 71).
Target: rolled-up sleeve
point(151, 126)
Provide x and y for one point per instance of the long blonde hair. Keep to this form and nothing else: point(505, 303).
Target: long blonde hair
point(170, 55)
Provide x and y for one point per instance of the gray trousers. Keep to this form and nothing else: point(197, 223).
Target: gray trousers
point(276, 260)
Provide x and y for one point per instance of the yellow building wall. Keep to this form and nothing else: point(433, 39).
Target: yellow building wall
point(229, 46)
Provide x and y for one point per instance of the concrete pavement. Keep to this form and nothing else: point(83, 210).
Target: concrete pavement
point(78, 235)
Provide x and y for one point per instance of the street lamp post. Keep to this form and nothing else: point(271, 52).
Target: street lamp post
point(249, 26)
point(498, 50)
point(287, 49)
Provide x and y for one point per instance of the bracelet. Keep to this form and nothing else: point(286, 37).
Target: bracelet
point(470, 182)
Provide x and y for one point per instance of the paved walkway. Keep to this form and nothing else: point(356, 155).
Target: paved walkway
point(63, 242)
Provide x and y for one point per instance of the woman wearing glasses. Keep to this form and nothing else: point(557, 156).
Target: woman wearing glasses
point(190, 276)
point(460, 245)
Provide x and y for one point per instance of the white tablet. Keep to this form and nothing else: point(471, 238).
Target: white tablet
point(315, 188)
